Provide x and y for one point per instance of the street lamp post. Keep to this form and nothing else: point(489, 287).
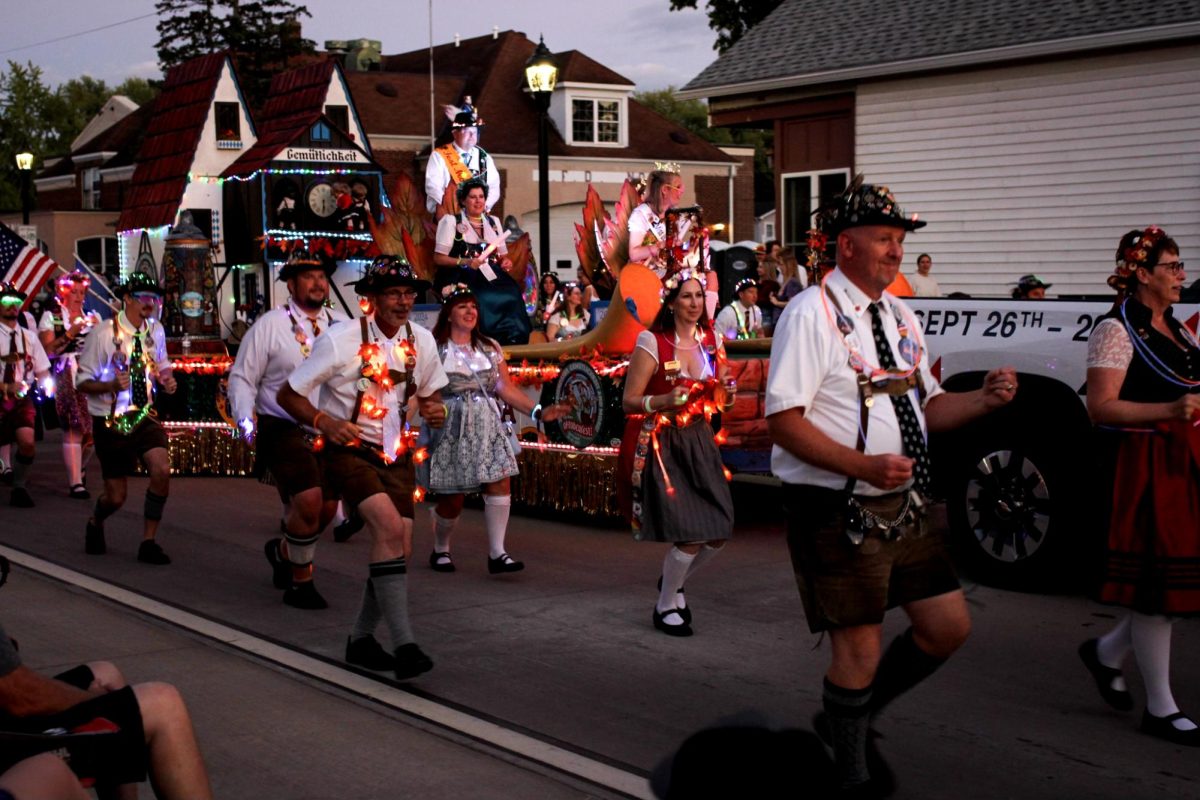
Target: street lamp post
point(25, 166)
point(541, 73)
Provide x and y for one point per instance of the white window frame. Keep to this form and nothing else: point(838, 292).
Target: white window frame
point(814, 176)
point(622, 120)
point(90, 184)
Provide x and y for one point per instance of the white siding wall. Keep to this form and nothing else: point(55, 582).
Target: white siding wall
point(1039, 168)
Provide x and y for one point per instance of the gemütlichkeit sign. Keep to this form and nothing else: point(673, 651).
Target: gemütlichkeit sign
point(322, 154)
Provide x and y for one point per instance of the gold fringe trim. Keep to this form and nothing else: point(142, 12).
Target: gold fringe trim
point(567, 482)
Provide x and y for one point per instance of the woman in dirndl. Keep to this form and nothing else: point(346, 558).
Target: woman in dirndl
point(1144, 396)
point(473, 450)
point(674, 486)
point(62, 329)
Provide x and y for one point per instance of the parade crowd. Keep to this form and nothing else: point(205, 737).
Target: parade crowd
point(850, 401)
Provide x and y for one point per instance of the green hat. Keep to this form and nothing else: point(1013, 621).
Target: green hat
point(8, 290)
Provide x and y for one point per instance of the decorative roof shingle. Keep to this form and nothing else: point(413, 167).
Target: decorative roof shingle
point(807, 38)
point(173, 133)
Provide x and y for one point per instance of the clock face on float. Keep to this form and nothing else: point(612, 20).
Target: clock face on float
point(321, 200)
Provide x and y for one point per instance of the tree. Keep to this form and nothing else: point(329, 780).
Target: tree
point(731, 18)
point(264, 36)
point(693, 115)
point(25, 124)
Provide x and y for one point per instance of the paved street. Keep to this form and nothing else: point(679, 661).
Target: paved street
point(562, 656)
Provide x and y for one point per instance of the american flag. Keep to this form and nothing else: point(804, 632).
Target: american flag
point(23, 265)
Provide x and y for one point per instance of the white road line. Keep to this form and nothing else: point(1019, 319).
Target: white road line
point(581, 766)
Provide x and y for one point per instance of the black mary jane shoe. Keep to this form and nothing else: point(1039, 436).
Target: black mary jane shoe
point(79, 492)
point(504, 563)
point(684, 629)
point(441, 562)
point(684, 611)
point(1163, 728)
point(1119, 699)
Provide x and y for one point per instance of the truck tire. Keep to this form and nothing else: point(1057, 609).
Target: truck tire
point(1012, 505)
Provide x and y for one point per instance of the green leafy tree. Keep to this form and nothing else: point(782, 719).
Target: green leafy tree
point(730, 18)
point(139, 90)
point(25, 124)
point(693, 115)
point(264, 36)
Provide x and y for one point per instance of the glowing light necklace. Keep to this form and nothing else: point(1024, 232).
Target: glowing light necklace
point(860, 364)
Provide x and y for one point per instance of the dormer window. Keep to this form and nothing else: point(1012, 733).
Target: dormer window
point(320, 132)
point(595, 121)
point(228, 117)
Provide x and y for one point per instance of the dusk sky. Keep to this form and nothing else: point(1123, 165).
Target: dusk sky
point(641, 39)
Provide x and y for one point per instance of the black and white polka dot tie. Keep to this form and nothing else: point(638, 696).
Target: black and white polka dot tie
point(910, 426)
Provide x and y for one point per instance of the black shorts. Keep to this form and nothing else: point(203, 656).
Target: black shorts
point(844, 585)
point(116, 758)
point(354, 474)
point(283, 449)
point(118, 453)
point(15, 413)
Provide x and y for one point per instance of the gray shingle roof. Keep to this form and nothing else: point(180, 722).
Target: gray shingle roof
point(803, 37)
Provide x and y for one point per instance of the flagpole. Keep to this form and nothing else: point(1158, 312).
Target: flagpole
point(80, 262)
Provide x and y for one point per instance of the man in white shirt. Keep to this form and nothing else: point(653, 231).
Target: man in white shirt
point(367, 373)
point(923, 283)
point(123, 359)
point(742, 319)
point(24, 364)
point(277, 343)
point(456, 162)
point(849, 400)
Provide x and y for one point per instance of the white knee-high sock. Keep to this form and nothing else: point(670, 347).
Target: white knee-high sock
point(674, 571)
point(703, 557)
point(73, 460)
point(1151, 637)
point(496, 509)
point(443, 527)
point(1112, 647)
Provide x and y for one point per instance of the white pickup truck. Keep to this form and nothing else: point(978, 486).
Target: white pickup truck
point(1014, 482)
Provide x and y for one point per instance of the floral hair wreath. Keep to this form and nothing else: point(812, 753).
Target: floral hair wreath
point(1137, 254)
point(454, 290)
point(675, 280)
point(70, 279)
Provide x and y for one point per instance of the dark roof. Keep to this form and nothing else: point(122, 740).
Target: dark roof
point(385, 101)
point(123, 137)
point(491, 70)
point(272, 139)
point(172, 136)
point(811, 37)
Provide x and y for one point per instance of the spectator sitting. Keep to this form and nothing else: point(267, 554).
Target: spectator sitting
point(742, 318)
point(154, 724)
point(1030, 287)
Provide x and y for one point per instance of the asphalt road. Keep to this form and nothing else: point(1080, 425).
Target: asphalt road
point(564, 655)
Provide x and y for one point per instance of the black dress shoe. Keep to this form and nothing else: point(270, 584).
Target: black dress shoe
point(1119, 699)
point(20, 498)
point(685, 629)
point(79, 492)
point(441, 562)
point(6, 477)
point(684, 611)
point(504, 563)
point(149, 552)
point(411, 662)
point(304, 595)
point(369, 654)
point(352, 525)
point(1162, 728)
point(93, 539)
point(281, 568)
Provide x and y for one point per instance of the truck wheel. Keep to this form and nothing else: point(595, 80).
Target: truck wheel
point(1008, 506)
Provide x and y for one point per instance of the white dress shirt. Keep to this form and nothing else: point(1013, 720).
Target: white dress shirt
point(27, 345)
point(335, 367)
point(110, 337)
point(450, 227)
point(728, 321)
point(437, 177)
point(269, 353)
point(810, 369)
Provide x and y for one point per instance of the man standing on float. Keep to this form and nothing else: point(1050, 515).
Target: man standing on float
point(367, 373)
point(270, 352)
point(456, 162)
